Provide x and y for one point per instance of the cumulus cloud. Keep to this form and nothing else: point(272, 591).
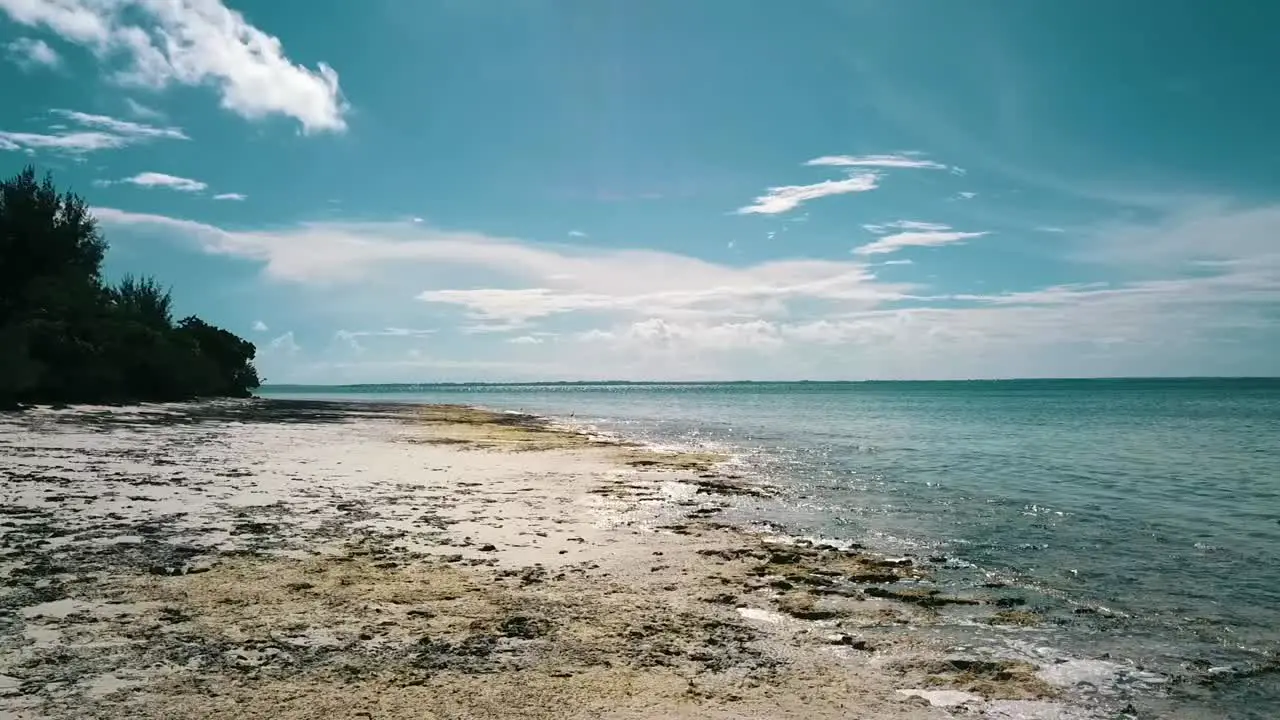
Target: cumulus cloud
point(577, 234)
point(525, 340)
point(966, 195)
point(93, 133)
point(259, 326)
point(194, 43)
point(788, 197)
point(31, 54)
point(159, 180)
point(239, 197)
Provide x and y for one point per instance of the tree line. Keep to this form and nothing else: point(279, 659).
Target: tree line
point(67, 335)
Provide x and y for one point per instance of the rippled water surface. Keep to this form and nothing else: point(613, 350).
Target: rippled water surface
point(1143, 516)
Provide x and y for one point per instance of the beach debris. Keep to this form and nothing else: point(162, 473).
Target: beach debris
point(942, 698)
point(1015, 617)
point(848, 640)
point(924, 597)
point(990, 679)
point(805, 607)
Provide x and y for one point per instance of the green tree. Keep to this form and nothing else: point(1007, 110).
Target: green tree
point(144, 299)
point(44, 237)
point(65, 336)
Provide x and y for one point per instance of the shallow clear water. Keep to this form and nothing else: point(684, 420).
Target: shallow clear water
point(1156, 501)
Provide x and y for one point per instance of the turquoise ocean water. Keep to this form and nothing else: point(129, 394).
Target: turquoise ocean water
point(1141, 517)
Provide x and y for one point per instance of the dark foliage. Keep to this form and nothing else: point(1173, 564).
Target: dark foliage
point(65, 336)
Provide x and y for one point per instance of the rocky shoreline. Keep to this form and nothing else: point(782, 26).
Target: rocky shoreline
point(304, 559)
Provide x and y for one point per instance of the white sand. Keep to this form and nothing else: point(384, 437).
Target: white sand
point(187, 562)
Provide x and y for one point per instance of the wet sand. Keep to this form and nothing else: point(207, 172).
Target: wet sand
point(302, 560)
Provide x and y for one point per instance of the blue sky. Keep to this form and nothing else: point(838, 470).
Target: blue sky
point(725, 189)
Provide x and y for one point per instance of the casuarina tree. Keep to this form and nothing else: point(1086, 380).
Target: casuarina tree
point(68, 336)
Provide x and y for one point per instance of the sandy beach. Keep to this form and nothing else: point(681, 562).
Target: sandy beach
point(293, 559)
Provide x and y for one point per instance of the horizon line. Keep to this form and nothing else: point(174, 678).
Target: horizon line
point(536, 383)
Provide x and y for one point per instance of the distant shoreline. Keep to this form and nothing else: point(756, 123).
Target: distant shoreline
point(285, 387)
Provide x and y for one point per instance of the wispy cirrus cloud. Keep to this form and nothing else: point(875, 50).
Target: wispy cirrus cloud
point(391, 332)
point(918, 235)
point(902, 160)
point(864, 173)
point(159, 180)
point(94, 133)
point(637, 314)
point(284, 344)
point(526, 282)
point(68, 142)
point(788, 197)
point(139, 110)
point(122, 128)
point(881, 229)
point(194, 43)
point(238, 197)
point(30, 54)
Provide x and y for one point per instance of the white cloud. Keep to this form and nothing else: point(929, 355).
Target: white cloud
point(123, 128)
point(493, 327)
point(662, 334)
point(159, 180)
point(350, 339)
point(966, 195)
point(914, 234)
point(898, 262)
point(103, 133)
point(259, 326)
point(577, 234)
point(388, 332)
point(901, 160)
point(784, 198)
point(194, 43)
point(788, 197)
point(139, 110)
point(231, 196)
point(284, 344)
point(31, 54)
point(525, 340)
point(640, 314)
point(904, 225)
point(501, 284)
point(1051, 229)
point(69, 142)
